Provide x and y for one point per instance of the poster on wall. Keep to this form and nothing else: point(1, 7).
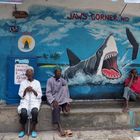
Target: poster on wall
point(20, 70)
point(11, 1)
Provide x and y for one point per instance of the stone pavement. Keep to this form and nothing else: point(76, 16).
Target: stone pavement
point(80, 135)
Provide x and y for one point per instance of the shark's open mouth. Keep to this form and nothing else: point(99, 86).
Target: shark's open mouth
point(110, 67)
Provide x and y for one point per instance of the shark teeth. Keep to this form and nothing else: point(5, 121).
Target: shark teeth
point(109, 55)
point(111, 73)
point(110, 68)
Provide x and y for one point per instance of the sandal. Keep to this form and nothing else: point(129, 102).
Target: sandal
point(34, 134)
point(69, 133)
point(21, 134)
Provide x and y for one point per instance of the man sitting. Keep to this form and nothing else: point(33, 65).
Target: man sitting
point(58, 96)
point(30, 93)
point(132, 88)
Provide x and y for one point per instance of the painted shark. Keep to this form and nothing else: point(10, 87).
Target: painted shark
point(104, 62)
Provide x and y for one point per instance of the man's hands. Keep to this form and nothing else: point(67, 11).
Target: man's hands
point(55, 104)
point(29, 89)
point(132, 75)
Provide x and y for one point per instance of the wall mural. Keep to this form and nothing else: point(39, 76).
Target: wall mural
point(94, 48)
point(104, 62)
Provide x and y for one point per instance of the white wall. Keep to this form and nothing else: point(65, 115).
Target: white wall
point(108, 5)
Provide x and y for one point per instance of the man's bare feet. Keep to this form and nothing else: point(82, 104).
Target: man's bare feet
point(69, 133)
point(66, 109)
point(62, 133)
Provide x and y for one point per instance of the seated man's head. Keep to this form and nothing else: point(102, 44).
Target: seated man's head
point(57, 72)
point(30, 72)
point(134, 73)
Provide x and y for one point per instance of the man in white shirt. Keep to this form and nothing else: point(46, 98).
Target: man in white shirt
point(30, 93)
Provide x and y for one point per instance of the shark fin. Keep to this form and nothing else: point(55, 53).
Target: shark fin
point(73, 59)
point(133, 42)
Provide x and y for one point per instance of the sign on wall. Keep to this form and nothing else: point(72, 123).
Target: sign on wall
point(26, 43)
point(20, 70)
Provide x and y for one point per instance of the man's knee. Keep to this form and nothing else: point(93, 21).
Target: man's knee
point(34, 111)
point(23, 112)
point(126, 93)
point(23, 116)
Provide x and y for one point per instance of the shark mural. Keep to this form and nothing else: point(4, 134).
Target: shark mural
point(104, 62)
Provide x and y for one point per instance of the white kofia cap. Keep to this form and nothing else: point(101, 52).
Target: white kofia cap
point(30, 68)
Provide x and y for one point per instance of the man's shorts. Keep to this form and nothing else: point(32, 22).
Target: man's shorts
point(128, 93)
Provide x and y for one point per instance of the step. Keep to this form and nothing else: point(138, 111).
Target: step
point(103, 103)
point(84, 116)
point(89, 118)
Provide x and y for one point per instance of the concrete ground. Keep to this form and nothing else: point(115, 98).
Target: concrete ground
point(118, 134)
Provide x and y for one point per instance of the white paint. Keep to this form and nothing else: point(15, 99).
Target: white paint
point(132, 1)
point(110, 48)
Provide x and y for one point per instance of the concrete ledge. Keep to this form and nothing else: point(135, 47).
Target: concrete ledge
point(80, 118)
point(9, 119)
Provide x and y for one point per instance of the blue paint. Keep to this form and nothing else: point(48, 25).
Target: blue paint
point(108, 91)
point(53, 33)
